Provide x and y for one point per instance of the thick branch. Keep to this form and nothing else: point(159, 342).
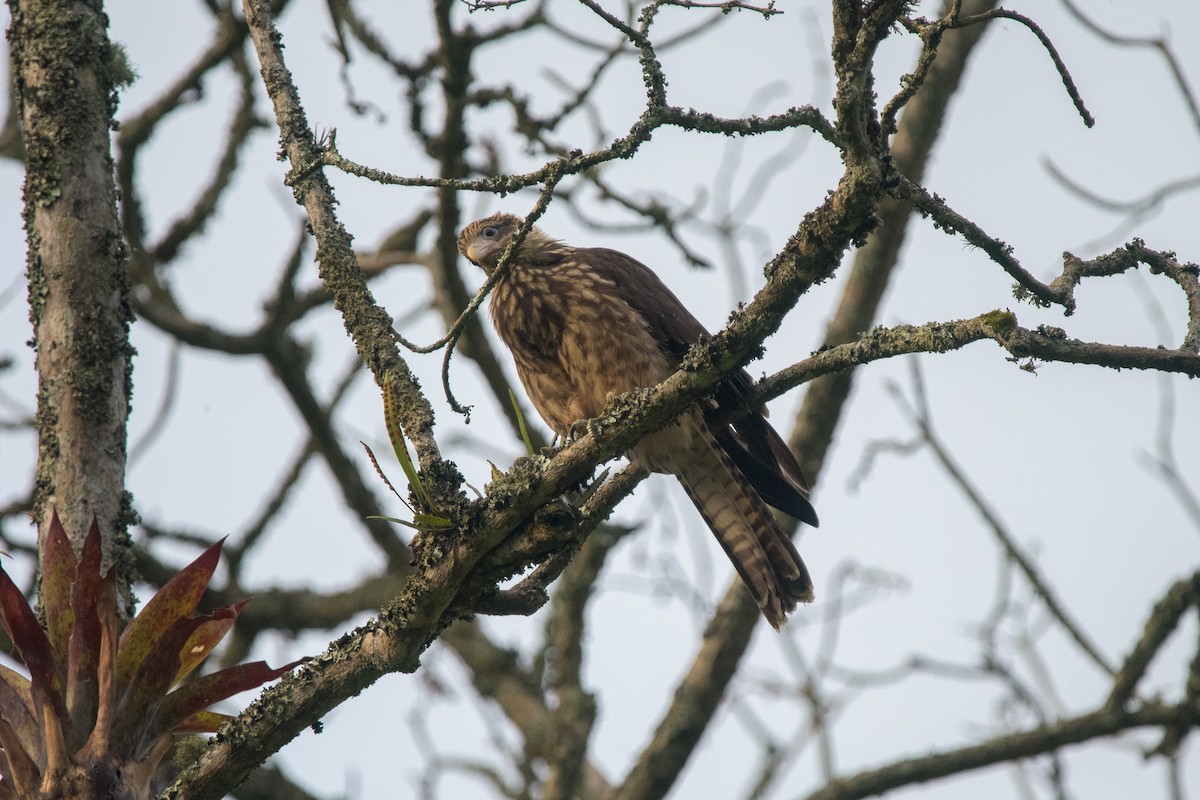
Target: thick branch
point(78, 284)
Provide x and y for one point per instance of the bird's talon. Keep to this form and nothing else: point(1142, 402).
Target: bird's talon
point(578, 429)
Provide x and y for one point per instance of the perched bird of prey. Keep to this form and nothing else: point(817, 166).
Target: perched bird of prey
point(586, 324)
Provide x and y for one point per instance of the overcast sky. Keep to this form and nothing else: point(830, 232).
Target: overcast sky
point(1061, 454)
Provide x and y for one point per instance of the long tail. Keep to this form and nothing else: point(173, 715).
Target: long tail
point(762, 553)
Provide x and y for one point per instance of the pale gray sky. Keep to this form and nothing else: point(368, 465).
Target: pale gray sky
point(1059, 453)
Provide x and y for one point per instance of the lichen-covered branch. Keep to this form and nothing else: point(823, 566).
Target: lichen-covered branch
point(366, 322)
point(78, 285)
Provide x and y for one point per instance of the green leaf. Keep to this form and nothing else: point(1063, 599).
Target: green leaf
point(57, 562)
point(421, 522)
point(176, 600)
point(395, 432)
point(512, 398)
point(396, 520)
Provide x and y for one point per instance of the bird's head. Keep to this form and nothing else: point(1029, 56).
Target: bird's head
point(484, 240)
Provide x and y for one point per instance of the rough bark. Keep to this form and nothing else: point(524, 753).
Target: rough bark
point(65, 72)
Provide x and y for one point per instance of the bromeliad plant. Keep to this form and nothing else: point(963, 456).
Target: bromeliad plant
point(101, 706)
point(422, 520)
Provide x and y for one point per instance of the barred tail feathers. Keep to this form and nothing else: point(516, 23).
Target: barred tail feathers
point(760, 550)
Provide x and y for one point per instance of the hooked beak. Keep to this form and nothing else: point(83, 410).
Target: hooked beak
point(483, 254)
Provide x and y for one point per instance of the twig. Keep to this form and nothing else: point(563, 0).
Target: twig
point(1163, 620)
point(1001, 327)
point(931, 37)
point(1036, 741)
point(1063, 73)
point(1061, 290)
point(1157, 43)
point(725, 6)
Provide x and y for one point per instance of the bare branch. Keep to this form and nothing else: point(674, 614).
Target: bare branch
point(1156, 42)
point(1163, 620)
point(1063, 73)
point(1043, 739)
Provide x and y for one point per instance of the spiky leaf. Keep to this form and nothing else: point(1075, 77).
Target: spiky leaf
point(391, 418)
point(98, 744)
point(203, 722)
point(176, 600)
point(512, 398)
point(205, 638)
point(58, 572)
point(16, 709)
point(382, 476)
point(35, 651)
point(20, 769)
point(84, 648)
point(140, 700)
point(185, 702)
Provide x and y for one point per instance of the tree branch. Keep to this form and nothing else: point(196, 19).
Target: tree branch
point(1037, 741)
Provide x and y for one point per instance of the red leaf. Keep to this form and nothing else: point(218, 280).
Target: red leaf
point(186, 701)
point(97, 747)
point(16, 709)
point(57, 562)
point(138, 703)
point(84, 648)
point(176, 600)
point(206, 637)
point(23, 628)
point(31, 642)
point(53, 734)
point(21, 769)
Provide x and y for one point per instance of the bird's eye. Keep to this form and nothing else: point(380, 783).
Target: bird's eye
point(490, 232)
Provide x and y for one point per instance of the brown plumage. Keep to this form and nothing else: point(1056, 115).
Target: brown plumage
point(584, 325)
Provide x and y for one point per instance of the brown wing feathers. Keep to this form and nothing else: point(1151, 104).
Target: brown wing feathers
point(584, 324)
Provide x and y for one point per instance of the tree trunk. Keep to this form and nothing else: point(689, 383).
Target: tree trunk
point(65, 72)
